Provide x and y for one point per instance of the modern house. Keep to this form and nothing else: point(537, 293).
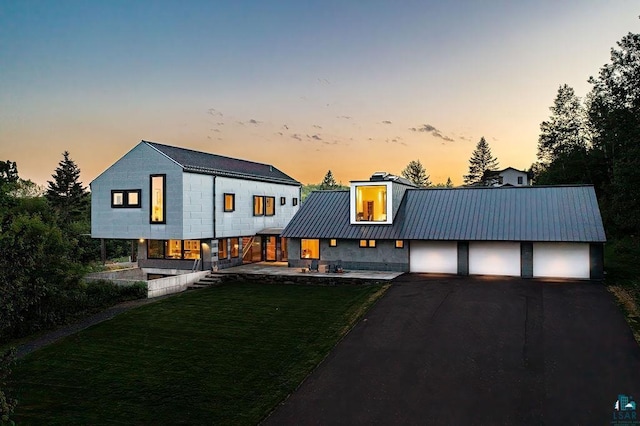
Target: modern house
point(507, 177)
point(387, 224)
point(193, 210)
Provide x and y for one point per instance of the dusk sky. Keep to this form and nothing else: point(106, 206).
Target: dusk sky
point(351, 86)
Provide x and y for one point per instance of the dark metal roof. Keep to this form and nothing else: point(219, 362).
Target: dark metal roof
point(532, 213)
point(202, 162)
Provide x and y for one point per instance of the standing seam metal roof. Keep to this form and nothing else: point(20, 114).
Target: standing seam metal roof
point(558, 213)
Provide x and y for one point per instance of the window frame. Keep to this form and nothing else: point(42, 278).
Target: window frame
point(365, 243)
point(399, 244)
point(125, 198)
point(312, 239)
point(283, 201)
point(233, 202)
point(266, 205)
point(231, 248)
point(164, 199)
point(294, 201)
point(223, 248)
point(520, 180)
point(333, 242)
point(256, 198)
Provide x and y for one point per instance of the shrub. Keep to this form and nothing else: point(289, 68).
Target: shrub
point(7, 404)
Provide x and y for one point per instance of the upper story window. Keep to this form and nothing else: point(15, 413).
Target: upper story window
point(371, 202)
point(269, 206)
point(294, 201)
point(283, 201)
point(158, 200)
point(520, 180)
point(229, 202)
point(125, 198)
point(258, 205)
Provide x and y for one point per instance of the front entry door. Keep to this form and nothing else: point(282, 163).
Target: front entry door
point(270, 248)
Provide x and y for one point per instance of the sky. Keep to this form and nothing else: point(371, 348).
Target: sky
point(353, 87)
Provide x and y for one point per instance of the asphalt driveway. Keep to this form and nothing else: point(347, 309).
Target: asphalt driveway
point(458, 350)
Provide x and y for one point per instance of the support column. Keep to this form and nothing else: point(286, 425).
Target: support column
point(526, 259)
point(463, 258)
point(596, 261)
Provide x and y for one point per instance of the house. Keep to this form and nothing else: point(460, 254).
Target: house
point(193, 210)
point(506, 177)
point(386, 224)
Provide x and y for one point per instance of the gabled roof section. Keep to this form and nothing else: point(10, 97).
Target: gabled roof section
point(532, 213)
point(202, 162)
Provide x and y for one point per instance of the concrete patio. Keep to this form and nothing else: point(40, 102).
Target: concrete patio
point(281, 269)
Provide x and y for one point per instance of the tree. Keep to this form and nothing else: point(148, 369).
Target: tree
point(448, 184)
point(480, 162)
point(8, 172)
point(7, 404)
point(66, 193)
point(567, 129)
point(416, 173)
point(328, 182)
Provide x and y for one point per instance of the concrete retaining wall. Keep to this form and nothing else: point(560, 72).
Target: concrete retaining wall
point(328, 280)
point(175, 283)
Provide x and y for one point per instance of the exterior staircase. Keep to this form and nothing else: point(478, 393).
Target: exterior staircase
point(208, 281)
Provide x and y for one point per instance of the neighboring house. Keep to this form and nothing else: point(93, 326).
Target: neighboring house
point(506, 177)
point(183, 205)
point(383, 224)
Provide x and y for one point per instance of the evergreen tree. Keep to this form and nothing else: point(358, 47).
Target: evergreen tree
point(8, 172)
point(66, 193)
point(449, 184)
point(480, 162)
point(416, 173)
point(328, 182)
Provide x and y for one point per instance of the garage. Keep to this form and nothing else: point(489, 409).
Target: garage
point(433, 257)
point(567, 260)
point(494, 258)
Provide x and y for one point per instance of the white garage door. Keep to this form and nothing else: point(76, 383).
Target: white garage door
point(434, 257)
point(494, 258)
point(561, 260)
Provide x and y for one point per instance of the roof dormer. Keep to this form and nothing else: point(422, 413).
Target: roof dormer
point(372, 201)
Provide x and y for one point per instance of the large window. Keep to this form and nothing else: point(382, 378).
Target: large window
point(235, 247)
point(258, 205)
point(173, 249)
point(309, 249)
point(229, 202)
point(371, 203)
point(125, 198)
point(158, 201)
point(269, 206)
point(223, 252)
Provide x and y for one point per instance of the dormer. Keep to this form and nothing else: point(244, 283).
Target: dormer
point(375, 201)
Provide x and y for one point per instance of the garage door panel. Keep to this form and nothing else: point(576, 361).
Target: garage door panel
point(434, 257)
point(561, 260)
point(494, 258)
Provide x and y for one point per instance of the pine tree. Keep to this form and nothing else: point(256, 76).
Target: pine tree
point(480, 162)
point(8, 172)
point(449, 184)
point(66, 193)
point(328, 182)
point(417, 174)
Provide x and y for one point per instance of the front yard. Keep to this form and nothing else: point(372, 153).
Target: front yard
point(224, 355)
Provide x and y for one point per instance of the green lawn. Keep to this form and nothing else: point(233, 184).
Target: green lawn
point(224, 355)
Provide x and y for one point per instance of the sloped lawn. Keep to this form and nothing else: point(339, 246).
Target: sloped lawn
point(224, 355)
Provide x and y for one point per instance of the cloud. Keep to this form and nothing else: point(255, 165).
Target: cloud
point(240, 123)
point(330, 143)
point(220, 124)
point(252, 121)
point(280, 133)
point(428, 128)
point(317, 127)
point(214, 112)
point(296, 137)
point(346, 117)
point(316, 137)
point(216, 130)
point(386, 122)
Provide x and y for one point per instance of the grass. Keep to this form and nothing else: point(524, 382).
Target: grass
point(622, 263)
point(225, 355)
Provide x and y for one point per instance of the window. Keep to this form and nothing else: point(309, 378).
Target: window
point(229, 202)
point(173, 249)
point(309, 249)
point(158, 201)
point(258, 205)
point(155, 249)
point(295, 201)
point(125, 198)
point(367, 243)
point(371, 203)
point(223, 251)
point(283, 201)
point(519, 180)
point(191, 249)
point(269, 206)
point(235, 247)
point(333, 242)
point(399, 244)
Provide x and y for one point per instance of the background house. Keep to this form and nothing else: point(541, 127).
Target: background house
point(183, 205)
point(523, 231)
point(507, 177)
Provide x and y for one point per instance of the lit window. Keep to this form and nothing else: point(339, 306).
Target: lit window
point(174, 249)
point(191, 249)
point(295, 201)
point(363, 243)
point(400, 244)
point(333, 242)
point(158, 201)
point(283, 201)
point(367, 243)
point(125, 198)
point(222, 249)
point(309, 249)
point(269, 206)
point(229, 202)
point(235, 247)
point(258, 205)
point(372, 243)
point(371, 203)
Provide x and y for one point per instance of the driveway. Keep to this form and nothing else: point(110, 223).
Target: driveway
point(459, 350)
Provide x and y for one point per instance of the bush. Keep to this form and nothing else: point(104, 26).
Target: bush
point(7, 404)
